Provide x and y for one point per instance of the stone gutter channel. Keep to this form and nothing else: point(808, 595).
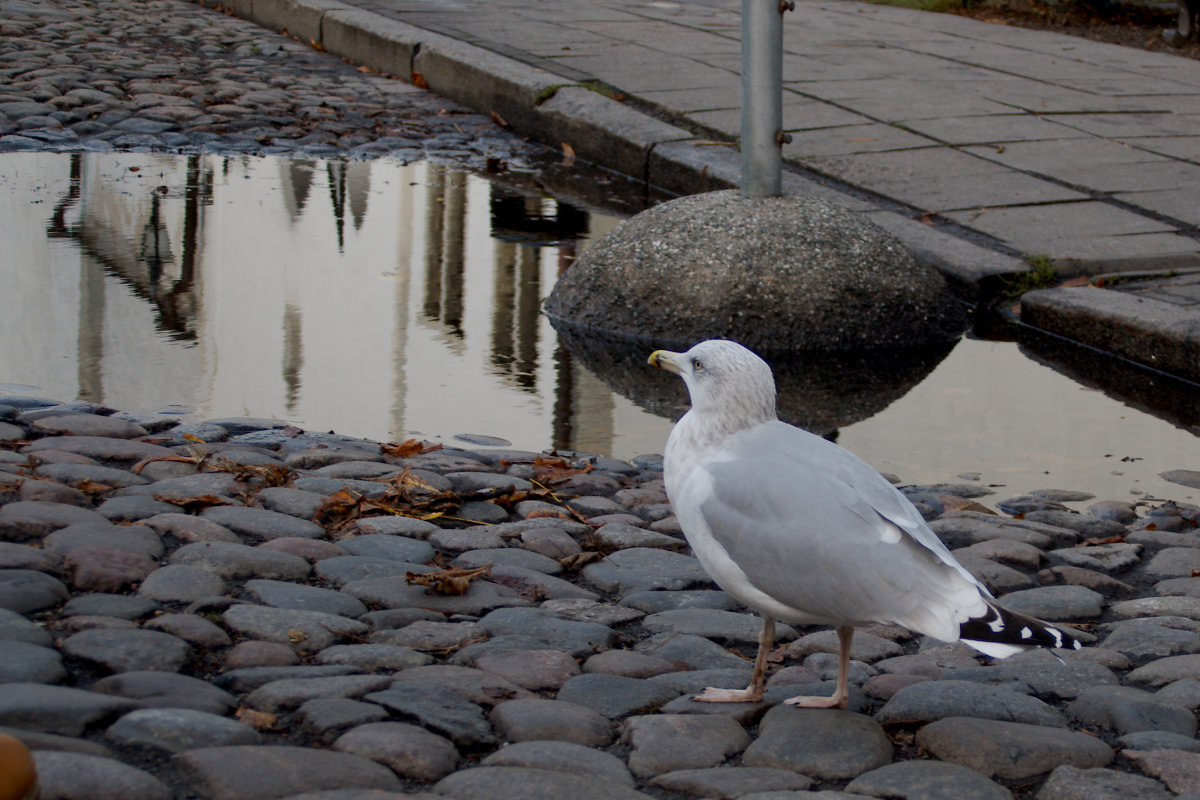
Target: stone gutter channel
point(556, 109)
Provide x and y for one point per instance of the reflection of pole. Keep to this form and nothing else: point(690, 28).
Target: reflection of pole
point(762, 97)
point(564, 398)
point(91, 330)
point(456, 212)
point(566, 255)
point(293, 355)
point(90, 342)
point(336, 172)
point(529, 300)
point(358, 189)
point(503, 295)
point(434, 225)
point(403, 274)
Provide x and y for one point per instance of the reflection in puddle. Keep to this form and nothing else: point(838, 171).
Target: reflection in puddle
point(381, 300)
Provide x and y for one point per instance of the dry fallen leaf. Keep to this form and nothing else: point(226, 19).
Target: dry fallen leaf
point(89, 486)
point(316, 45)
point(418, 81)
point(296, 636)
point(1105, 540)
point(578, 560)
point(451, 581)
point(259, 720)
point(499, 120)
point(408, 448)
point(194, 503)
point(548, 512)
point(955, 503)
point(550, 470)
point(568, 154)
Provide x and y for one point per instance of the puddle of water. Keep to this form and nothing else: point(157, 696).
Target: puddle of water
point(386, 300)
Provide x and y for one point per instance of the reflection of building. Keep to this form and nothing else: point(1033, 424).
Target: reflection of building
point(337, 295)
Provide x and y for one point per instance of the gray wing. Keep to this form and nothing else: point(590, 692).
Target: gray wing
point(822, 532)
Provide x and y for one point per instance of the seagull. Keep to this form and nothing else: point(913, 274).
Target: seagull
point(803, 531)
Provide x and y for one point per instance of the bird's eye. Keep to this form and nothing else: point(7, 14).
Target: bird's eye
point(697, 365)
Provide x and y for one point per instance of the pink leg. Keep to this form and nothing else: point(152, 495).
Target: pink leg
point(754, 692)
point(841, 695)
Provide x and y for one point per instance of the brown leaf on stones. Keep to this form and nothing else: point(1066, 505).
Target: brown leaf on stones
point(296, 636)
point(580, 560)
point(197, 457)
point(568, 154)
point(316, 45)
point(89, 486)
point(259, 720)
point(269, 474)
point(548, 512)
point(553, 470)
point(499, 120)
point(1106, 540)
point(191, 505)
point(955, 503)
point(408, 448)
point(450, 582)
point(418, 81)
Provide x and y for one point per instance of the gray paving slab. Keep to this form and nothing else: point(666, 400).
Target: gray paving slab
point(992, 128)
point(1087, 233)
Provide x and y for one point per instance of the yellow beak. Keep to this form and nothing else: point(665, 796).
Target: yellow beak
point(665, 359)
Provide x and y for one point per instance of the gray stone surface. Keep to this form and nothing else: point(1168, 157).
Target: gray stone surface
point(175, 730)
point(1125, 709)
point(1056, 603)
point(933, 700)
point(437, 709)
point(57, 709)
point(128, 650)
point(735, 782)
point(615, 696)
point(510, 783)
point(70, 775)
point(1071, 783)
point(283, 695)
point(257, 772)
point(407, 750)
point(25, 662)
point(562, 757)
point(284, 594)
point(822, 743)
point(1010, 750)
point(309, 631)
point(667, 742)
point(577, 638)
point(742, 253)
point(153, 689)
point(913, 780)
point(558, 720)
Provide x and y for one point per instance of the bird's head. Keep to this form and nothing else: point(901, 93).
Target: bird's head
point(724, 378)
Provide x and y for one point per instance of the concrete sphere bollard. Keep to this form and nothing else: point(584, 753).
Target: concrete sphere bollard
point(778, 274)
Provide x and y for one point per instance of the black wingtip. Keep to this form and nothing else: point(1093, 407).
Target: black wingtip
point(1003, 627)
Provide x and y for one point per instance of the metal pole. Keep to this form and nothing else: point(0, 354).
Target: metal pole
point(762, 97)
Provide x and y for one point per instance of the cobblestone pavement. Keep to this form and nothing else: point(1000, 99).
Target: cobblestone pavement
point(236, 609)
point(164, 75)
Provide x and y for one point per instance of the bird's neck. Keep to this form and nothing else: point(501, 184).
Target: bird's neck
point(699, 429)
